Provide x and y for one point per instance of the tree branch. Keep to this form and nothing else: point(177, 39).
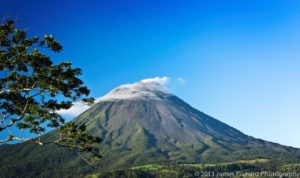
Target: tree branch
point(11, 138)
point(15, 91)
point(84, 159)
point(4, 117)
point(12, 121)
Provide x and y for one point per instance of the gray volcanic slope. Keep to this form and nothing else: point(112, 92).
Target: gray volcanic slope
point(141, 124)
point(159, 127)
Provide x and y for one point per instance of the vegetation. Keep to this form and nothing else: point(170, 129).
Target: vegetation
point(243, 168)
point(33, 89)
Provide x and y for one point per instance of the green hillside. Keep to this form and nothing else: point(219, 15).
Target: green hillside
point(242, 168)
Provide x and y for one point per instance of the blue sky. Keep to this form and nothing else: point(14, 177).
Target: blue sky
point(240, 59)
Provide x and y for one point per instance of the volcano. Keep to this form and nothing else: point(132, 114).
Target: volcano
point(142, 123)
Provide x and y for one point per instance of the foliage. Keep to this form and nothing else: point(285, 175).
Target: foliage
point(244, 168)
point(33, 89)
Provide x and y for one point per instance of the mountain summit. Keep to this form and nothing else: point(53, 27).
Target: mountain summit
point(145, 89)
point(142, 123)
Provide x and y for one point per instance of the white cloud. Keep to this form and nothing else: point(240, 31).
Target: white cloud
point(181, 81)
point(161, 80)
point(76, 109)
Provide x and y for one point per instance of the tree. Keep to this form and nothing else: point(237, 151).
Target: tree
point(33, 89)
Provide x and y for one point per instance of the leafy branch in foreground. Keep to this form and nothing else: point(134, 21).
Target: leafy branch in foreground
point(33, 89)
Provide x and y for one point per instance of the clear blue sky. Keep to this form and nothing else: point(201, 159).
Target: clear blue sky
point(240, 59)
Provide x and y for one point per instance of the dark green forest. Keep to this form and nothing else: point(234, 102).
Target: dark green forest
point(249, 168)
